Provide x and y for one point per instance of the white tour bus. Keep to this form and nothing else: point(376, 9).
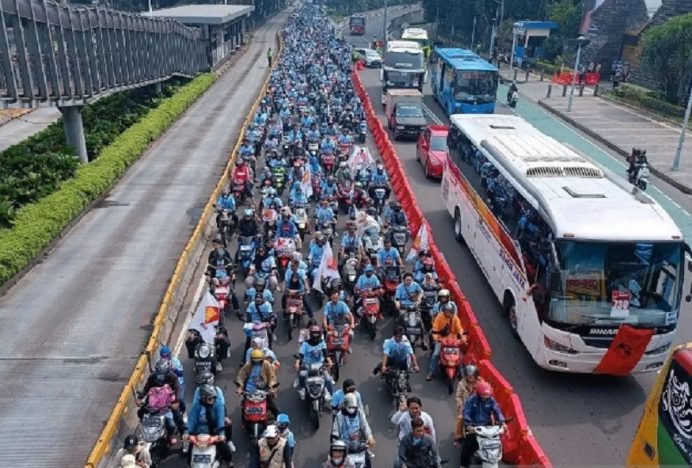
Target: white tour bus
point(418, 35)
point(403, 67)
point(571, 250)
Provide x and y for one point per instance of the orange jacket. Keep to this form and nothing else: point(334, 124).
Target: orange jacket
point(453, 325)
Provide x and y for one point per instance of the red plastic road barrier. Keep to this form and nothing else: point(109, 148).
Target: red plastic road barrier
point(566, 78)
point(520, 446)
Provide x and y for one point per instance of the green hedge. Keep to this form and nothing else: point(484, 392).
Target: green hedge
point(38, 223)
point(646, 99)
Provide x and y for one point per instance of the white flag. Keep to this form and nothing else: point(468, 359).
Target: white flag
point(306, 183)
point(419, 243)
point(360, 159)
point(207, 317)
point(328, 267)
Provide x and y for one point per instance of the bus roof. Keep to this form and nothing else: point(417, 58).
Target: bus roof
point(576, 197)
point(403, 46)
point(463, 59)
point(414, 33)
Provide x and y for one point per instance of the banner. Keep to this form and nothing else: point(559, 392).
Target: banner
point(625, 351)
point(419, 243)
point(207, 317)
point(328, 267)
point(360, 159)
point(306, 183)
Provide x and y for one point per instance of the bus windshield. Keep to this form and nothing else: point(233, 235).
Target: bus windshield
point(475, 86)
point(607, 283)
point(404, 60)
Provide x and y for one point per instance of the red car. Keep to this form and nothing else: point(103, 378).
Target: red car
point(432, 150)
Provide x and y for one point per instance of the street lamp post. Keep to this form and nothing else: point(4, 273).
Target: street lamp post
point(384, 28)
point(511, 57)
point(492, 38)
point(681, 141)
point(580, 41)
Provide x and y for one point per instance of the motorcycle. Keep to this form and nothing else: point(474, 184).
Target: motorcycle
point(513, 99)
point(221, 291)
point(338, 345)
point(639, 177)
point(344, 195)
point(450, 359)
point(426, 305)
point(392, 278)
point(399, 237)
point(279, 176)
point(255, 414)
point(372, 243)
point(379, 199)
point(294, 311)
point(489, 453)
point(370, 310)
point(328, 161)
point(357, 453)
point(327, 230)
point(269, 217)
point(284, 248)
point(412, 323)
point(155, 433)
point(396, 381)
point(313, 146)
point(246, 253)
point(204, 451)
point(301, 215)
point(226, 225)
point(315, 392)
point(350, 271)
point(205, 361)
point(238, 189)
point(345, 151)
point(316, 180)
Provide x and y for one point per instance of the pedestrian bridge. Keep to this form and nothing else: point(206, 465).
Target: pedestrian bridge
point(65, 55)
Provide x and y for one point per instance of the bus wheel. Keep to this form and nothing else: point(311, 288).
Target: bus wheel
point(457, 227)
point(511, 310)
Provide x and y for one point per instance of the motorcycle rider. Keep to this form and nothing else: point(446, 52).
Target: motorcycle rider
point(269, 355)
point(481, 409)
point(136, 448)
point(176, 367)
point(163, 375)
point(226, 202)
point(409, 410)
point(329, 188)
point(272, 201)
point(243, 173)
point(348, 386)
point(324, 214)
point(260, 311)
point(387, 251)
point(417, 449)
point(378, 178)
point(271, 451)
point(336, 313)
point(395, 216)
point(282, 424)
point(219, 257)
point(287, 228)
point(445, 324)
point(465, 388)
point(338, 456)
point(258, 374)
point(259, 287)
point(350, 242)
point(443, 298)
point(315, 254)
point(359, 199)
point(367, 281)
point(511, 90)
point(427, 267)
point(313, 351)
point(408, 293)
point(397, 353)
point(297, 197)
point(350, 424)
point(208, 416)
point(248, 226)
point(343, 173)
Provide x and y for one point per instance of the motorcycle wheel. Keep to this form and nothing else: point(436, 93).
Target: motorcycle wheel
point(336, 366)
point(290, 326)
point(450, 385)
point(315, 415)
point(372, 330)
point(642, 184)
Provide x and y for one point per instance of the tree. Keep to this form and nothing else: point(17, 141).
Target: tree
point(667, 54)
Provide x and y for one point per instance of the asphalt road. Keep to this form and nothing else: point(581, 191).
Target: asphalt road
point(578, 419)
point(74, 326)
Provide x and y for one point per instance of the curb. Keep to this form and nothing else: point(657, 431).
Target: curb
point(661, 175)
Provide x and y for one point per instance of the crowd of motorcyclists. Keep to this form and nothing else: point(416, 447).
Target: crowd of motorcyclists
point(298, 172)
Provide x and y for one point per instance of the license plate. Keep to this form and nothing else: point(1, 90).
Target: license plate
point(201, 458)
point(254, 410)
point(415, 330)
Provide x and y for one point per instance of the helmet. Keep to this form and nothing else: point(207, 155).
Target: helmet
point(335, 283)
point(396, 206)
point(207, 391)
point(319, 236)
point(283, 420)
point(484, 389)
point(205, 377)
point(338, 445)
point(359, 185)
point(271, 431)
point(448, 308)
point(315, 332)
point(163, 366)
point(247, 212)
point(165, 352)
point(297, 257)
point(428, 262)
point(471, 370)
point(257, 355)
point(285, 211)
point(369, 269)
point(260, 282)
point(372, 211)
point(272, 192)
point(131, 442)
point(443, 293)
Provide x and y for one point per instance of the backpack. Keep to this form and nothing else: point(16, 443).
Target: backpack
point(160, 398)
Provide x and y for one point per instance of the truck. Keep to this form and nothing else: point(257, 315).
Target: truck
point(404, 110)
point(357, 25)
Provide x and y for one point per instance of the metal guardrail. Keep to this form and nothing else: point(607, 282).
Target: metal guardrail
point(53, 54)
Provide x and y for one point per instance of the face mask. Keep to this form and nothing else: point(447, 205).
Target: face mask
point(219, 250)
point(338, 460)
point(351, 410)
point(368, 274)
point(417, 440)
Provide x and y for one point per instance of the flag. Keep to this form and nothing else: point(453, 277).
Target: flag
point(328, 267)
point(625, 351)
point(419, 243)
point(207, 317)
point(363, 220)
point(360, 159)
point(306, 183)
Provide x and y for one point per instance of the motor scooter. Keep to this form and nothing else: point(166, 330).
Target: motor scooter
point(226, 225)
point(392, 278)
point(370, 310)
point(513, 99)
point(328, 161)
point(255, 414)
point(412, 323)
point(357, 453)
point(294, 311)
point(314, 392)
point(221, 291)
point(238, 189)
point(338, 345)
point(639, 177)
point(362, 131)
point(379, 199)
point(345, 192)
point(205, 361)
point(246, 253)
point(204, 451)
point(349, 272)
point(489, 453)
point(301, 215)
point(399, 237)
point(155, 432)
point(450, 360)
point(284, 248)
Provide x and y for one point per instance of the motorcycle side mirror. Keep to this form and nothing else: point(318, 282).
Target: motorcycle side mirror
point(276, 385)
point(296, 356)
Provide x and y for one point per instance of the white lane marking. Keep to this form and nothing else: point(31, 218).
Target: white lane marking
point(193, 307)
point(432, 115)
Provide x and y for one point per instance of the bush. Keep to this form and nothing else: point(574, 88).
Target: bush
point(38, 223)
point(646, 99)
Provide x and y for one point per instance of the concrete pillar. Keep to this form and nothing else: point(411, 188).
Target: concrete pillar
point(158, 88)
point(74, 130)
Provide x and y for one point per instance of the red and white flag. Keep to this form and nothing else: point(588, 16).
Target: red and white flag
point(328, 267)
point(419, 243)
point(207, 317)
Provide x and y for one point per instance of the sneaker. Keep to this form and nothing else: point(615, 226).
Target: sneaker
point(429, 377)
point(219, 367)
point(296, 382)
point(186, 446)
point(327, 396)
point(301, 393)
point(231, 446)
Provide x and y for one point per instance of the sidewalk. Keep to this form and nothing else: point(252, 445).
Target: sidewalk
point(21, 128)
point(618, 127)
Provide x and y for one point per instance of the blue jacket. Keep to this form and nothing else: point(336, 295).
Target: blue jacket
point(226, 203)
point(286, 229)
point(197, 418)
point(480, 413)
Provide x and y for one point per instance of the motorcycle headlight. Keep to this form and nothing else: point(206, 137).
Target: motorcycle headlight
point(412, 320)
point(400, 127)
